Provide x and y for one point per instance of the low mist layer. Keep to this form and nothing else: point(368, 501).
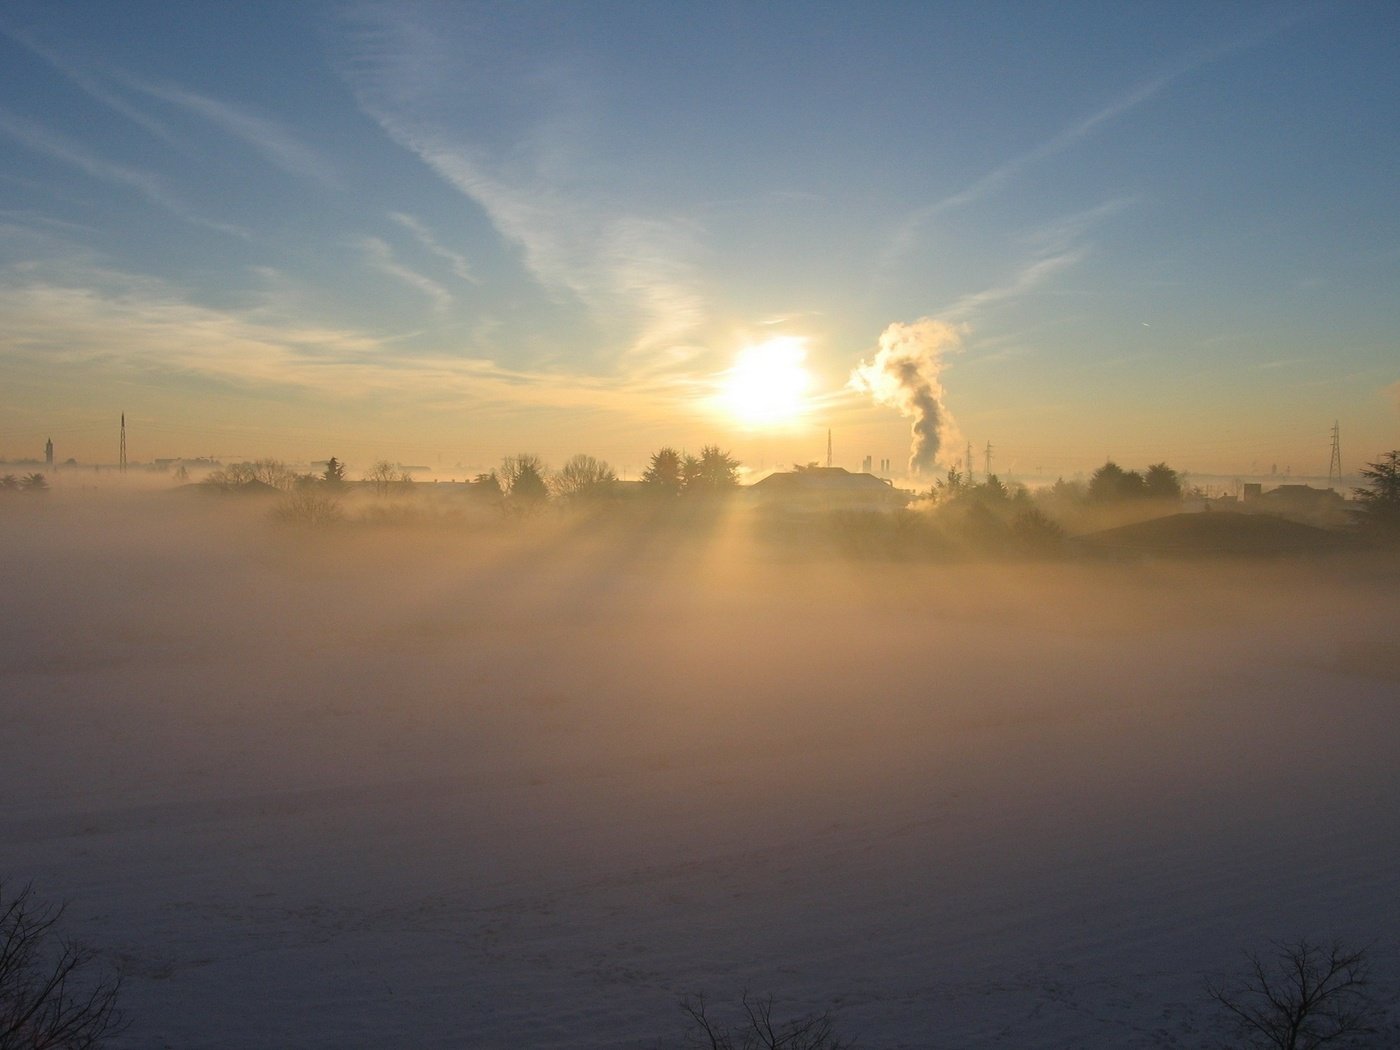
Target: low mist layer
point(528, 786)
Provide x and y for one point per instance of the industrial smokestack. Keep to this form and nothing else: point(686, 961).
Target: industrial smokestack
point(904, 375)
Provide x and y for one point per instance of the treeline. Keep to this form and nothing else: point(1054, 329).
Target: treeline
point(34, 482)
point(520, 485)
point(959, 516)
point(954, 515)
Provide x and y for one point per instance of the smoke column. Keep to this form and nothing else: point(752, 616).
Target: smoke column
point(904, 375)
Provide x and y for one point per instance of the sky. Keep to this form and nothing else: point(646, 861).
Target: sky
point(445, 233)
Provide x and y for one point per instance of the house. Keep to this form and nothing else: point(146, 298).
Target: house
point(814, 490)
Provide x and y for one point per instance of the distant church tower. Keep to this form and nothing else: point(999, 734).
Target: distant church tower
point(48, 453)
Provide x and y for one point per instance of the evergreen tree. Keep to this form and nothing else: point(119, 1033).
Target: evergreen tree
point(1162, 483)
point(1378, 508)
point(664, 476)
point(713, 472)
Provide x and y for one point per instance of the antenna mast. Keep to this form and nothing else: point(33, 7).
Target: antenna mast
point(828, 448)
point(121, 456)
point(988, 460)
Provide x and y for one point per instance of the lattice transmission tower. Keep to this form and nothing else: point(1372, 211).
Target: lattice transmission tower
point(1334, 468)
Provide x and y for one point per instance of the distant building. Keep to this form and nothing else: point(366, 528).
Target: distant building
point(48, 453)
point(815, 489)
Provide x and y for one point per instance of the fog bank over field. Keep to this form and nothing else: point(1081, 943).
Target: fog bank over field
point(527, 785)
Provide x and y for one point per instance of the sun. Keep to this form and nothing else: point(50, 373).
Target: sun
point(767, 386)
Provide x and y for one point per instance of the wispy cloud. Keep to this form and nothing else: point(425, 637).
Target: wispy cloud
point(381, 257)
point(272, 140)
point(905, 237)
point(279, 146)
point(92, 85)
point(1029, 277)
point(62, 148)
point(1049, 250)
point(429, 242)
point(576, 238)
point(131, 325)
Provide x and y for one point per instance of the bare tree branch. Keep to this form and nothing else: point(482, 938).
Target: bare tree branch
point(1310, 996)
point(49, 999)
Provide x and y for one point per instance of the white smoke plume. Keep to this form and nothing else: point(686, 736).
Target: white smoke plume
point(904, 374)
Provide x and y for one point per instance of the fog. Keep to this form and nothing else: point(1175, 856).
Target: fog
point(526, 783)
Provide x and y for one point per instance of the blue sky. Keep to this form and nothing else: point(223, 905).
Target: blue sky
point(442, 233)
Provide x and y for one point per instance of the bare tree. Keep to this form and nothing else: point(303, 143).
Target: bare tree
point(271, 472)
point(384, 476)
point(275, 473)
point(583, 477)
point(308, 506)
point(757, 1030)
point(49, 997)
point(1309, 996)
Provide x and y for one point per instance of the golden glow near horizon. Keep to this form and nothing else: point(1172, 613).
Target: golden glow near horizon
point(768, 383)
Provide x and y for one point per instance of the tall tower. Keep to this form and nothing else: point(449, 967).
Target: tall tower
point(987, 462)
point(48, 453)
point(969, 462)
point(1334, 468)
point(121, 456)
point(828, 448)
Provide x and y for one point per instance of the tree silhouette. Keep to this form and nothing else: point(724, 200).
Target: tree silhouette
point(1310, 996)
point(949, 488)
point(488, 483)
point(521, 477)
point(272, 472)
point(1033, 532)
point(35, 482)
point(309, 505)
point(758, 1030)
point(712, 473)
point(1378, 508)
point(334, 474)
point(50, 997)
point(1111, 483)
point(382, 476)
point(992, 491)
point(1161, 482)
point(583, 477)
point(664, 475)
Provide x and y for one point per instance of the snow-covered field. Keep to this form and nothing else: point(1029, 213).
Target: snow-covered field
point(406, 787)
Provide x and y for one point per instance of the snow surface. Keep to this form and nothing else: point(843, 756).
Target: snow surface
point(525, 788)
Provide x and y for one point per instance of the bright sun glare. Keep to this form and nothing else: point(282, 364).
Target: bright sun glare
point(768, 384)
